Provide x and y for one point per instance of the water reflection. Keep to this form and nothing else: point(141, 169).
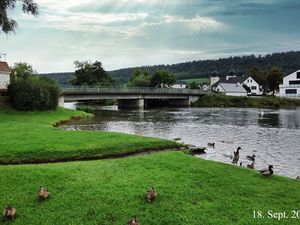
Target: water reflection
point(272, 135)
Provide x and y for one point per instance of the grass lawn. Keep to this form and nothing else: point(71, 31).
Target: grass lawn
point(190, 191)
point(30, 137)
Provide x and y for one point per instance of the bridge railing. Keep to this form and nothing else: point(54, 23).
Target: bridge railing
point(130, 90)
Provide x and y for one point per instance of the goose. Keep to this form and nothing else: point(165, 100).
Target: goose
point(236, 156)
point(251, 158)
point(43, 193)
point(151, 194)
point(211, 144)
point(8, 213)
point(133, 221)
point(267, 172)
point(251, 166)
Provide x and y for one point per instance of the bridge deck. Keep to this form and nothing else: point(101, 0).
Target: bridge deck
point(79, 90)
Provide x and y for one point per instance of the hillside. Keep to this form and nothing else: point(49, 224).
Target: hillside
point(287, 61)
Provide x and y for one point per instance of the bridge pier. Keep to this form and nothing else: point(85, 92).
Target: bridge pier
point(130, 103)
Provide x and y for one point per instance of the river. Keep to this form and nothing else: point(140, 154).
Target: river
point(272, 135)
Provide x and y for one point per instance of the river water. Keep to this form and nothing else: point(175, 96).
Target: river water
point(272, 135)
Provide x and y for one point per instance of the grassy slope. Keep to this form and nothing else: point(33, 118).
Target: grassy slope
point(190, 191)
point(219, 100)
point(30, 137)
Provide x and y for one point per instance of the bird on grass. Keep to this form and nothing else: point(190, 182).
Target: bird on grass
point(133, 221)
point(251, 166)
point(267, 172)
point(236, 155)
point(251, 158)
point(151, 195)
point(8, 213)
point(211, 144)
point(43, 193)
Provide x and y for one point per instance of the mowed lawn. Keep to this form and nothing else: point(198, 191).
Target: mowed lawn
point(190, 191)
point(29, 137)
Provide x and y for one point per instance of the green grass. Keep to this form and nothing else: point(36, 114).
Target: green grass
point(197, 80)
point(191, 191)
point(28, 137)
point(219, 100)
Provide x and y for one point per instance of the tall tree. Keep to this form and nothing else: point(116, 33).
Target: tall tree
point(22, 71)
point(140, 78)
point(162, 78)
point(260, 76)
point(9, 25)
point(274, 79)
point(91, 74)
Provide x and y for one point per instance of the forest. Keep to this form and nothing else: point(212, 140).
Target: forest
point(286, 61)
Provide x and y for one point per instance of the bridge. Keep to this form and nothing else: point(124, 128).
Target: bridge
point(131, 97)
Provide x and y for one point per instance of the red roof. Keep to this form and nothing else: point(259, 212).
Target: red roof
point(4, 67)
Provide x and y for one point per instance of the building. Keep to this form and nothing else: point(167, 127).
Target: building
point(179, 84)
point(290, 87)
point(213, 80)
point(253, 87)
point(4, 76)
point(231, 89)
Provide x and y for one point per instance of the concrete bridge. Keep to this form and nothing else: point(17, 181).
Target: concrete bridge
point(136, 97)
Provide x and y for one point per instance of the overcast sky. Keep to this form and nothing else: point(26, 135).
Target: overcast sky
point(126, 33)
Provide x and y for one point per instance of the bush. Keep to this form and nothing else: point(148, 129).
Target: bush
point(34, 93)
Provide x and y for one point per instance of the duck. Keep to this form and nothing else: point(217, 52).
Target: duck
point(251, 166)
point(133, 221)
point(211, 144)
point(251, 158)
point(8, 213)
point(236, 156)
point(267, 172)
point(43, 193)
point(151, 195)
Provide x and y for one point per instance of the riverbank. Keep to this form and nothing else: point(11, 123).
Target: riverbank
point(190, 191)
point(219, 100)
point(30, 137)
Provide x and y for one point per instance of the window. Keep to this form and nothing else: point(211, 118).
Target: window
point(298, 75)
point(291, 91)
point(294, 82)
point(253, 88)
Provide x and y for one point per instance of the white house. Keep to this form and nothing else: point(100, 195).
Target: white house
point(4, 76)
point(254, 87)
point(231, 89)
point(213, 80)
point(291, 86)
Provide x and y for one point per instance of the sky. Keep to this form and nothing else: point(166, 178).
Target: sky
point(128, 33)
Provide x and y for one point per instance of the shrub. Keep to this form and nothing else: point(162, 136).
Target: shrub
point(34, 93)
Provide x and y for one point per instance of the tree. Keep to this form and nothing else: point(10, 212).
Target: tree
point(91, 74)
point(9, 25)
point(162, 78)
point(193, 85)
point(22, 71)
point(274, 78)
point(260, 76)
point(140, 78)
